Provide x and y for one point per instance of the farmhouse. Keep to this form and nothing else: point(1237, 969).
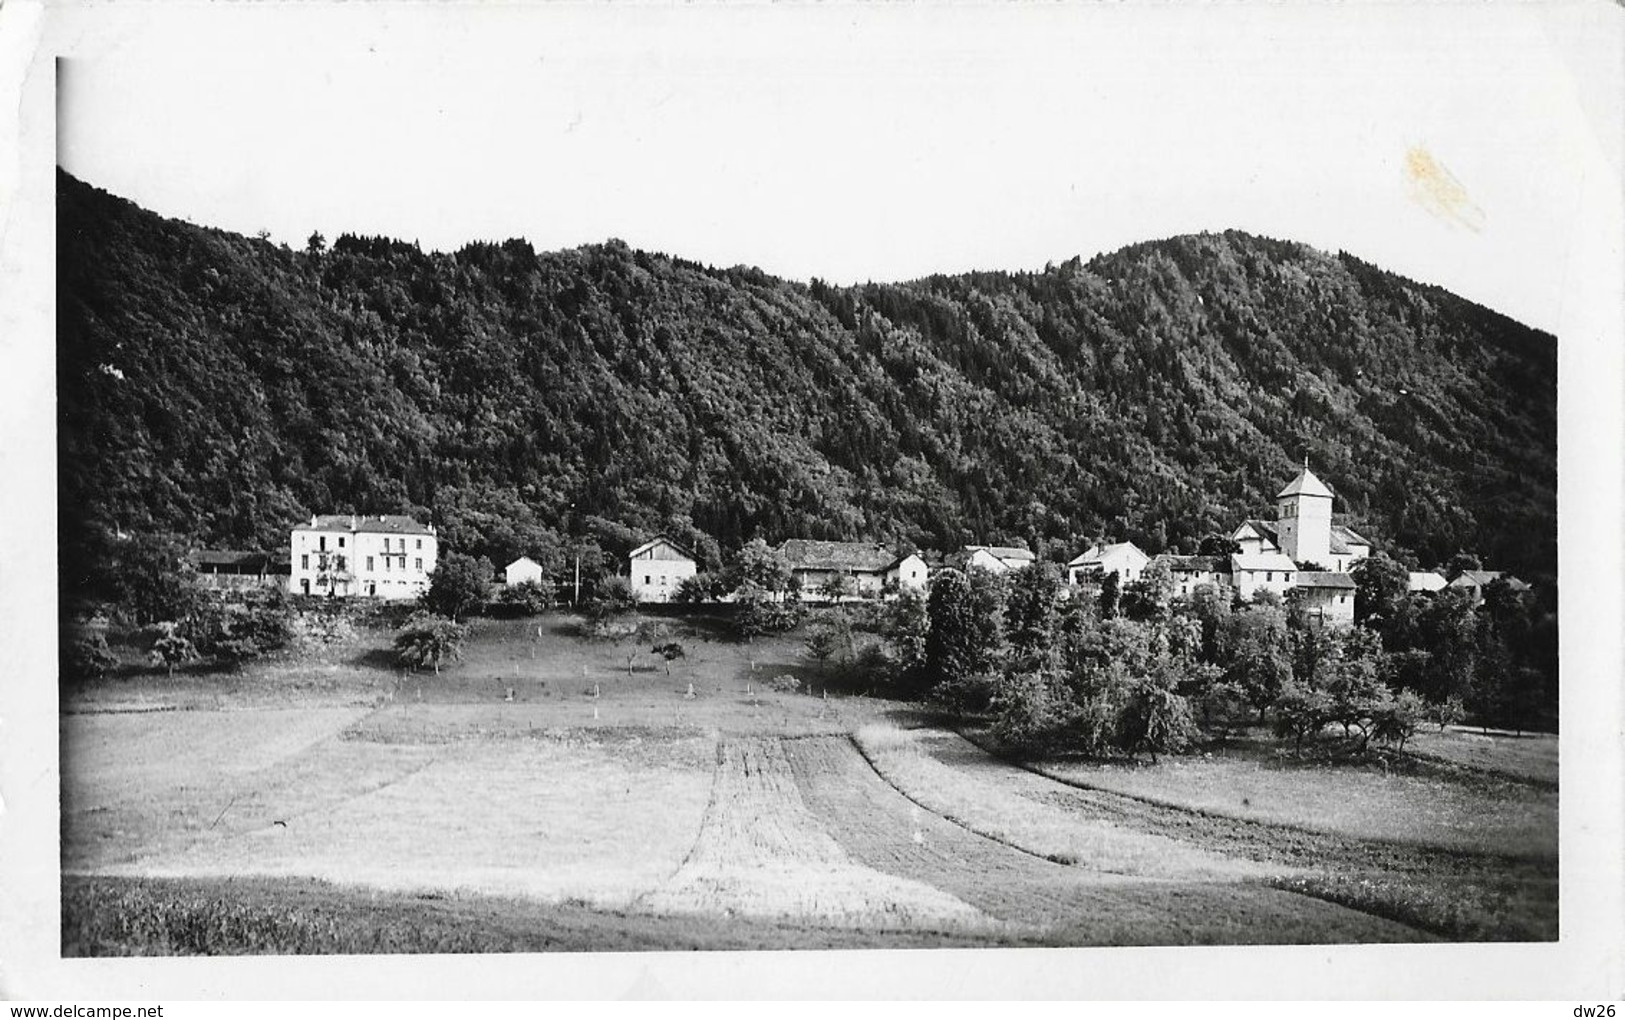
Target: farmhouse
point(1475, 581)
point(388, 556)
point(656, 569)
point(908, 572)
point(522, 570)
point(1190, 571)
point(998, 559)
point(1328, 595)
point(864, 566)
point(1121, 558)
point(1271, 571)
point(234, 570)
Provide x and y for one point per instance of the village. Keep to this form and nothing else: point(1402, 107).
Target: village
point(392, 557)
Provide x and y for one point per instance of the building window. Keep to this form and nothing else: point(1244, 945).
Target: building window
point(420, 562)
point(369, 563)
point(304, 562)
point(645, 578)
point(1269, 575)
point(321, 543)
point(387, 563)
point(341, 541)
point(420, 543)
point(662, 580)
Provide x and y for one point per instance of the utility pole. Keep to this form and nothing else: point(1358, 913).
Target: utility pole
point(577, 599)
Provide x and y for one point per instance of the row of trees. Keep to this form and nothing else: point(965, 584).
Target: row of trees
point(1145, 670)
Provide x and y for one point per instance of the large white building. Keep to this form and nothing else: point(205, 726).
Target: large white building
point(385, 556)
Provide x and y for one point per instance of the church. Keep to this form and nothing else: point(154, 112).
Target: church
point(1301, 549)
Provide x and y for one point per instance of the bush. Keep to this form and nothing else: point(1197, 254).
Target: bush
point(86, 656)
point(784, 684)
point(528, 598)
point(1396, 720)
point(611, 599)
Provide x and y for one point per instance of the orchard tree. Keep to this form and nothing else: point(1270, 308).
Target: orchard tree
point(171, 649)
point(1111, 595)
point(1381, 586)
point(429, 640)
point(1030, 615)
point(761, 565)
point(963, 639)
point(1147, 597)
point(906, 628)
point(1255, 654)
point(458, 585)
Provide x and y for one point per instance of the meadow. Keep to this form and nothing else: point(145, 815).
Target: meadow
point(552, 791)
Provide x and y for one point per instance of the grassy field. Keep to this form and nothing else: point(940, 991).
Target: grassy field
point(556, 792)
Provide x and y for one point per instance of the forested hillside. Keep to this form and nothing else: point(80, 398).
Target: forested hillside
point(222, 387)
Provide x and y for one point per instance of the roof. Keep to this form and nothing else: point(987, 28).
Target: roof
point(1324, 579)
point(1479, 578)
point(1099, 552)
point(391, 524)
point(1306, 484)
point(1348, 535)
point(1190, 563)
point(1261, 561)
point(1004, 552)
point(658, 540)
point(522, 559)
point(1426, 580)
point(1264, 528)
point(809, 554)
point(229, 558)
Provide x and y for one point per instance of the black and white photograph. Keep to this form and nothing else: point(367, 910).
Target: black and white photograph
point(636, 489)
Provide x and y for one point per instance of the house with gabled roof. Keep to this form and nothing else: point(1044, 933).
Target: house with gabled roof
point(1253, 572)
point(657, 568)
point(1475, 581)
point(1125, 559)
point(523, 570)
point(863, 566)
point(997, 559)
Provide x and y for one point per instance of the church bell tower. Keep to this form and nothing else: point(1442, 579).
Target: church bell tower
point(1304, 519)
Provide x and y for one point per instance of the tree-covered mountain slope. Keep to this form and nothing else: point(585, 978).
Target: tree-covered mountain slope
point(221, 387)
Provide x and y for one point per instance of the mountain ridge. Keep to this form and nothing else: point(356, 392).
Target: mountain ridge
point(220, 387)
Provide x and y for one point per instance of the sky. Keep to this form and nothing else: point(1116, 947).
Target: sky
point(1449, 142)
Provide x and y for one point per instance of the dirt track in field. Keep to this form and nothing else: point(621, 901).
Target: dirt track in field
point(881, 828)
point(761, 853)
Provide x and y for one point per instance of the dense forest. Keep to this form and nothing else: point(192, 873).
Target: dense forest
point(219, 388)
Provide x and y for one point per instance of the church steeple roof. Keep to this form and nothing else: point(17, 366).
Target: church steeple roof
point(1306, 484)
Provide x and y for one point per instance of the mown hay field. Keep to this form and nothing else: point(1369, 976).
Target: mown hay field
point(613, 808)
